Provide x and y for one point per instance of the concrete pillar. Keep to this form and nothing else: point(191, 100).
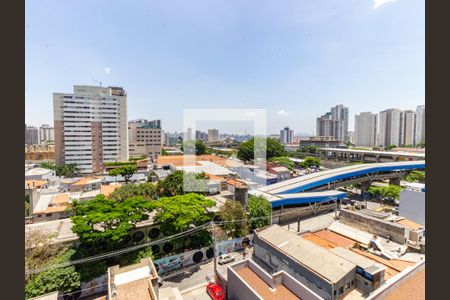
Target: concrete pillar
point(395, 181)
point(364, 186)
point(378, 158)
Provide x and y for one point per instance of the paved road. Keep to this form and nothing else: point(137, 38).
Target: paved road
point(199, 274)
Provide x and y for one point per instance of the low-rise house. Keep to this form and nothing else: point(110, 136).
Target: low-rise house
point(85, 184)
point(52, 207)
point(40, 174)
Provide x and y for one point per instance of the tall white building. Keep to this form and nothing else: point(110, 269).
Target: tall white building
point(91, 127)
point(334, 123)
point(286, 135)
point(420, 125)
point(389, 127)
point(366, 125)
point(213, 135)
point(46, 133)
point(407, 127)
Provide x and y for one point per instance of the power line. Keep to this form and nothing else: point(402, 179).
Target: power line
point(136, 247)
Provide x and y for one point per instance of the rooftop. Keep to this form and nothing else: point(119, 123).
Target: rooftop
point(51, 203)
point(87, 180)
point(329, 239)
point(320, 260)
point(413, 288)
point(32, 184)
point(410, 224)
point(108, 189)
point(37, 171)
point(263, 289)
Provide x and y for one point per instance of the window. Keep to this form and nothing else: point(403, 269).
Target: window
point(341, 290)
point(48, 215)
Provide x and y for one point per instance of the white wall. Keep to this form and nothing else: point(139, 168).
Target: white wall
point(412, 206)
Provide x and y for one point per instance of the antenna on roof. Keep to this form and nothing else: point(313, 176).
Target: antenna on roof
point(98, 82)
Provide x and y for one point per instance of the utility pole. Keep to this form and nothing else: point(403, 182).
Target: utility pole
point(335, 209)
point(298, 221)
point(213, 236)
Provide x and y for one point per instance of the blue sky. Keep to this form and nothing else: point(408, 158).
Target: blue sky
point(294, 58)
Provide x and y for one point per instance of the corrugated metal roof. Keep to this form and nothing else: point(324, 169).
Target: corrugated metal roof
point(320, 260)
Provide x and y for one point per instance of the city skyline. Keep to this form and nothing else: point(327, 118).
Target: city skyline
point(295, 60)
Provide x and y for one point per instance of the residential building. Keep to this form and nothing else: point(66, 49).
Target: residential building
point(46, 134)
point(188, 136)
point(39, 152)
point(389, 127)
point(51, 207)
point(334, 123)
point(246, 280)
point(366, 126)
point(31, 135)
point(199, 135)
point(322, 142)
point(420, 125)
point(138, 281)
point(407, 128)
point(286, 135)
point(91, 127)
point(325, 273)
point(145, 138)
point(40, 174)
point(213, 135)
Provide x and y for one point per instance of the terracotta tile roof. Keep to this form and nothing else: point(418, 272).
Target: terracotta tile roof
point(178, 160)
point(413, 288)
point(237, 183)
point(56, 208)
point(335, 238)
point(108, 189)
point(264, 290)
point(61, 198)
point(410, 224)
point(34, 183)
point(215, 177)
point(87, 180)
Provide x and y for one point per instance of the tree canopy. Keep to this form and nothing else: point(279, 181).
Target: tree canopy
point(146, 190)
point(390, 147)
point(416, 176)
point(232, 211)
point(126, 171)
point(199, 145)
point(176, 182)
point(389, 191)
point(284, 161)
point(310, 161)
point(176, 214)
point(260, 211)
point(104, 224)
point(246, 149)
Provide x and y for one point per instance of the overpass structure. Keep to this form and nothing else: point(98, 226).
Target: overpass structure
point(318, 187)
point(369, 155)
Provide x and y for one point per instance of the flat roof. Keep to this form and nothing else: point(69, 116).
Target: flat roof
point(262, 288)
point(37, 171)
point(329, 239)
point(412, 288)
point(87, 180)
point(357, 259)
point(410, 224)
point(320, 260)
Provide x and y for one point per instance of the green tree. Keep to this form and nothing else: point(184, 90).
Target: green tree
point(147, 190)
point(176, 182)
point(68, 170)
point(309, 149)
point(391, 191)
point(246, 149)
point(390, 147)
point(416, 176)
point(125, 171)
point(47, 165)
point(27, 209)
point(178, 213)
point(375, 191)
point(65, 279)
point(310, 161)
point(284, 161)
point(104, 225)
point(200, 147)
point(235, 217)
point(260, 211)
point(421, 144)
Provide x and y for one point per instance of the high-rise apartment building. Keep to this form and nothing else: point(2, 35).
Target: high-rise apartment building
point(407, 127)
point(31, 135)
point(145, 138)
point(199, 135)
point(91, 127)
point(420, 125)
point(46, 133)
point(334, 123)
point(389, 127)
point(366, 126)
point(286, 135)
point(213, 135)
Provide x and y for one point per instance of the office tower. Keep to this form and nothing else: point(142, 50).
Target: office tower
point(389, 127)
point(334, 123)
point(213, 135)
point(366, 125)
point(188, 136)
point(286, 135)
point(91, 127)
point(145, 138)
point(407, 127)
point(420, 125)
point(31, 135)
point(46, 133)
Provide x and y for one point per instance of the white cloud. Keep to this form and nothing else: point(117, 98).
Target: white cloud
point(108, 70)
point(378, 3)
point(283, 113)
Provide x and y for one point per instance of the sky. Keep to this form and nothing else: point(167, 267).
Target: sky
point(294, 58)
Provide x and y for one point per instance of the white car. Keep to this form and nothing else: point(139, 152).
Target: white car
point(225, 258)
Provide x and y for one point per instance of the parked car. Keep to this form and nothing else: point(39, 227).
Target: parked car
point(215, 291)
point(225, 258)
